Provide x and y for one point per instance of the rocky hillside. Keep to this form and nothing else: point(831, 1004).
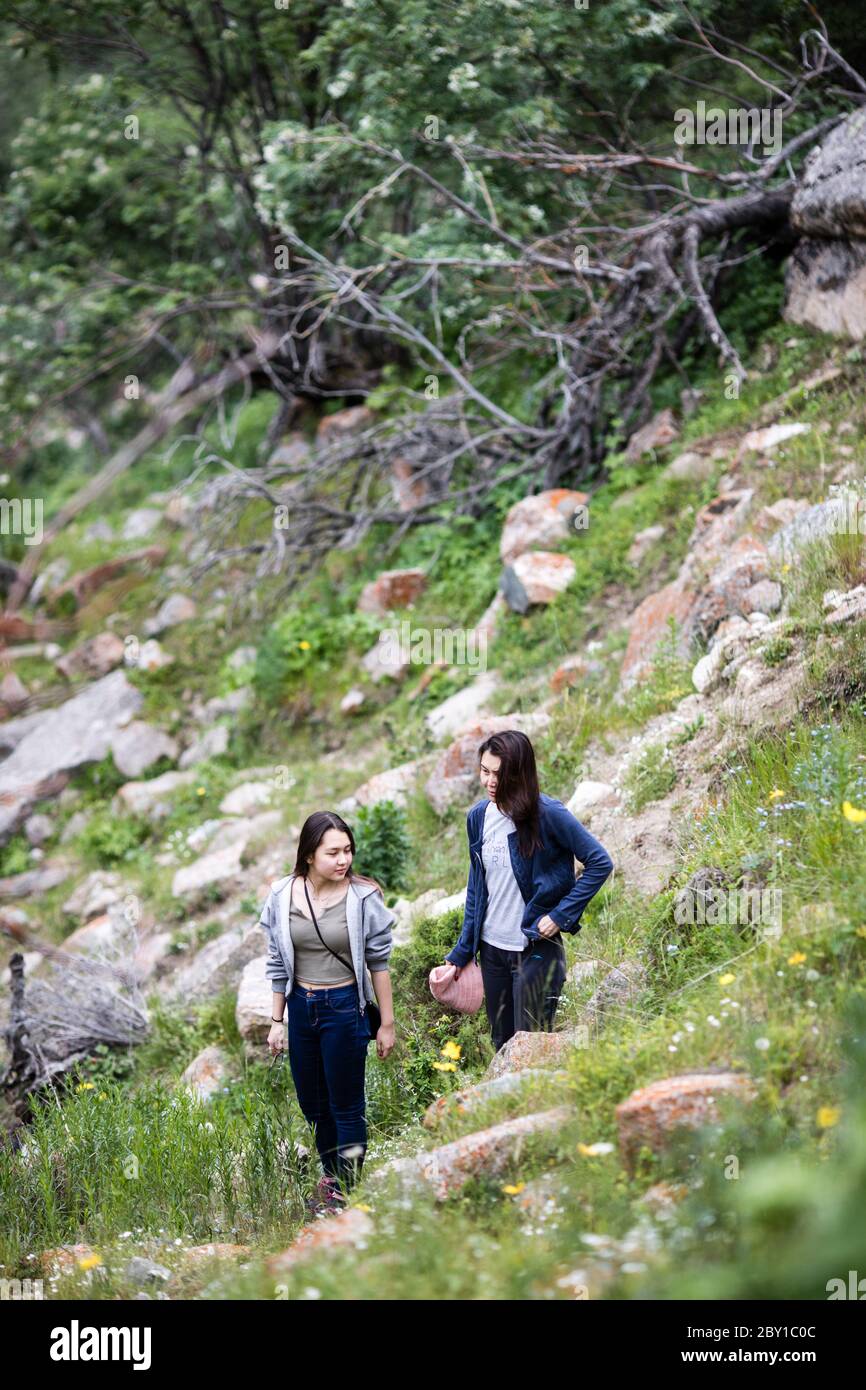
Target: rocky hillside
point(685, 645)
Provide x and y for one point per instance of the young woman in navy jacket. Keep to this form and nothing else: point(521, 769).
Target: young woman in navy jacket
point(522, 892)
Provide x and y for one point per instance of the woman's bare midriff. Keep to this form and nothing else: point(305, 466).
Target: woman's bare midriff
point(339, 985)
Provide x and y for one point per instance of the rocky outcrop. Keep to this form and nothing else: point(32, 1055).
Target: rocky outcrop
point(825, 283)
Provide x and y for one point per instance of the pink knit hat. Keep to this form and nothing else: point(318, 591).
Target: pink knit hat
point(465, 994)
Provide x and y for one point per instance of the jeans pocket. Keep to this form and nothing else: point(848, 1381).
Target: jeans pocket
point(345, 1004)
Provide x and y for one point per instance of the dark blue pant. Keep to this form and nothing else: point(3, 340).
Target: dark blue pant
point(328, 1039)
point(522, 988)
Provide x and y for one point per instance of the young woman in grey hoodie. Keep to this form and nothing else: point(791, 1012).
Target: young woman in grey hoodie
point(329, 940)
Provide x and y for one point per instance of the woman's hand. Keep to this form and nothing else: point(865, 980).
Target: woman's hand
point(455, 968)
point(547, 926)
point(276, 1039)
point(384, 1040)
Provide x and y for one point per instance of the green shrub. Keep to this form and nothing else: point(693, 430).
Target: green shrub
point(301, 644)
point(382, 845)
point(650, 777)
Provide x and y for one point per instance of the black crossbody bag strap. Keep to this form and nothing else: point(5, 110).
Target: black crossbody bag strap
point(371, 1008)
point(350, 968)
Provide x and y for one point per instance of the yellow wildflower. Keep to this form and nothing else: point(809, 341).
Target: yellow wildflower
point(797, 958)
point(512, 1188)
point(853, 813)
point(828, 1115)
point(861, 931)
point(444, 1066)
point(362, 1206)
point(89, 1261)
point(452, 1050)
point(199, 791)
point(727, 978)
point(304, 645)
point(775, 794)
point(86, 1086)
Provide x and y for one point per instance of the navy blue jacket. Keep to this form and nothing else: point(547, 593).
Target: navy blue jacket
point(546, 881)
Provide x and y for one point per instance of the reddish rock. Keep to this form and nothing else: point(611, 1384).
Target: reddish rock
point(13, 693)
point(334, 427)
point(489, 1153)
point(87, 582)
point(660, 431)
point(392, 589)
point(525, 1051)
point(95, 657)
point(216, 1250)
point(455, 775)
point(540, 521)
point(409, 489)
point(572, 670)
point(651, 1114)
point(649, 626)
point(333, 1232)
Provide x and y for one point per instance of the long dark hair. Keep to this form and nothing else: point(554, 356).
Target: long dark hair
point(517, 790)
point(311, 836)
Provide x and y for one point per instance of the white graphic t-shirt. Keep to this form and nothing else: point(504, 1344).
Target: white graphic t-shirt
point(504, 899)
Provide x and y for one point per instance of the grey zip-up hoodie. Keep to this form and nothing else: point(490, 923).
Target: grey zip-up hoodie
point(369, 922)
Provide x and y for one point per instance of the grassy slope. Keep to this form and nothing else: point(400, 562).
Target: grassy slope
point(792, 1218)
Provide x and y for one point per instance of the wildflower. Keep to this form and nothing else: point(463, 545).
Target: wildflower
point(304, 645)
point(512, 1188)
point(861, 931)
point(86, 1086)
point(452, 1050)
point(727, 979)
point(713, 1021)
point(853, 813)
point(828, 1115)
point(362, 1206)
point(444, 1066)
point(797, 958)
point(762, 1044)
point(775, 794)
point(89, 1261)
point(593, 1150)
point(199, 791)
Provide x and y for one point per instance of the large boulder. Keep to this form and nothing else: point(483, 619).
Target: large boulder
point(77, 732)
point(462, 707)
point(535, 523)
point(488, 1153)
point(153, 798)
point(536, 577)
point(525, 1050)
point(138, 745)
point(826, 276)
point(455, 774)
point(651, 1114)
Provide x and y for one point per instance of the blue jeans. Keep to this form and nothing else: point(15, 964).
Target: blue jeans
point(328, 1039)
